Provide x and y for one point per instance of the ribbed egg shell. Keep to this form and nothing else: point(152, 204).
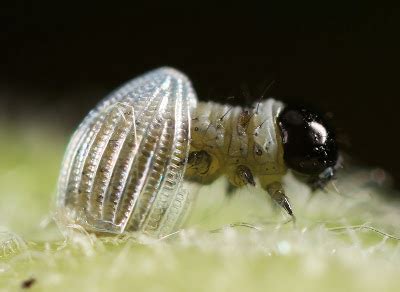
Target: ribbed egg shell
point(124, 166)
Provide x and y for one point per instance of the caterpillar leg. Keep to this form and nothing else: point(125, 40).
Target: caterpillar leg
point(199, 162)
point(277, 193)
point(240, 176)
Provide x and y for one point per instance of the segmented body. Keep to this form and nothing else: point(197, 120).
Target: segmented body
point(125, 167)
point(236, 136)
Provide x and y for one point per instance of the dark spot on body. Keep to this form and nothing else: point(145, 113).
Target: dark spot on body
point(196, 128)
point(258, 150)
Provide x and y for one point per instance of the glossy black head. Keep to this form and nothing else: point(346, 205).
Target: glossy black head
point(309, 145)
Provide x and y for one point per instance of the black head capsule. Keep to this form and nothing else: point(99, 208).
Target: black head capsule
point(309, 145)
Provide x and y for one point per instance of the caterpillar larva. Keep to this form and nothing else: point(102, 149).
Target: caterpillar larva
point(126, 165)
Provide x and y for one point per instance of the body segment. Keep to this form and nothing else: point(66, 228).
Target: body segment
point(220, 131)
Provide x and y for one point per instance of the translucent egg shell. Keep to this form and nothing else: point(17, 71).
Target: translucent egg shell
point(124, 166)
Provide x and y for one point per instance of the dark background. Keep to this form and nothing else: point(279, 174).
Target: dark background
point(57, 60)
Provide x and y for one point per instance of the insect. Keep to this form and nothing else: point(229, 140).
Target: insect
point(127, 164)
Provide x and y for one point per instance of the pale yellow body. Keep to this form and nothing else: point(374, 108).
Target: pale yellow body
point(235, 136)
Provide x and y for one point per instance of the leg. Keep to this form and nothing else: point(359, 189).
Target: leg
point(201, 167)
point(277, 193)
point(242, 176)
point(199, 161)
point(245, 176)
